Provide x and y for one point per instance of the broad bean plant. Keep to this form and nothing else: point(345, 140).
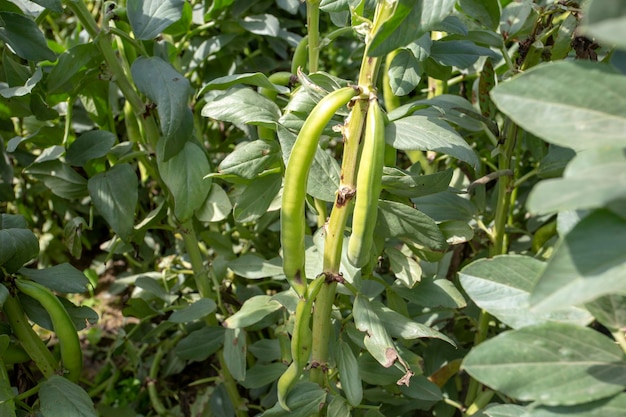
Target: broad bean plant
point(313, 208)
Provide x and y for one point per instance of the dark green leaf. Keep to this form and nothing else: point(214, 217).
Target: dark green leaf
point(61, 397)
point(551, 363)
point(253, 266)
point(199, 309)
point(114, 194)
point(402, 327)
point(305, 399)
point(148, 18)
point(348, 373)
point(200, 344)
point(502, 286)
point(90, 145)
point(17, 247)
point(514, 16)
point(184, 176)
point(255, 200)
point(405, 72)
point(445, 206)
point(406, 184)
point(250, 159)
point(338, 406)
point(459, 53)
point(543, 102)
point(261, 375)
point(24, 37)
point(53, 5)
point(433, 293)
point(63, 278)
point(25, 89)
point(171, 92)
point(70, 64)
point(254, 78)
point(486, 12)
point(587, 263)
point(60, 179)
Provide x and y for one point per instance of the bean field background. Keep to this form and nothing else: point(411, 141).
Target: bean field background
point(368, 208)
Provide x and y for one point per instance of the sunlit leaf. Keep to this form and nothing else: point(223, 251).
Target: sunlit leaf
point(148, 18)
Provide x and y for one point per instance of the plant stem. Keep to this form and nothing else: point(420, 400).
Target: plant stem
point(313, 32)
point(201, 273)
point(231, 388)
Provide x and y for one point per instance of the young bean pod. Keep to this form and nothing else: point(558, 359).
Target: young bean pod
point(301, 341)
point(71, 353)
point(296, 175)
point(368, 186)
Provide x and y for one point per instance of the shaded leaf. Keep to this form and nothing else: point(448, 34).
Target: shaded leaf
point(148, 18)
point(88, 146)
point(606, 21)
point(348, 373)
point(63, 278)
point(253, 266)
point(17, 247)
point(235, 349)
point(60, 178)
point(243, 106)
point(253, 78)
point(405, 72)
point(253, 311)
point(304, 399)
point(254, 202)
point(61, 397)
point(610, 311)
point(200, 344)
point(400, 220)
point(24, 37)
point(199, 309)
point(249, 159)
point(551, 363)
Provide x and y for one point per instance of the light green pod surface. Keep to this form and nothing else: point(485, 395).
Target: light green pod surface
point(292, 219)
point(71, 353)
point(368, 186)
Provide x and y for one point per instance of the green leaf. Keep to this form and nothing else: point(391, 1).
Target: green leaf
point(459, 53)
point(513, 17)
point(587, 263)
point(348, 373)
point(609, 407)
point(503, 410)
point(171, 92)
point(53, 5)
point(200, 344)
point(606, 21)
point(446, 206)
point(304, 399)
point(61, 397)
point(456, 232)
point(24, 37)
point(502, 286)
point(610, 311)
point(253, 311)
point(4, 294)
point(25, 89)
point(17, 247)
point(235, 349)
point(90, 145)
point(184, 176)
point(199, 309)
point(551, 363)
point(432, 293)
point(410, 20)
point(216, 207)
point(60, 178)
point(63, 278)
point(242, 106)
point(400, 220)
point(114, 194)
point(592, 179)
point(425, 133)
point(486, 12)
point(71, 63)
point(338, 406)
point(542, 101)
point(148, 18)
point(250, 159)
point(407, 184)
point(253, 266)
point(405, 269)
point(254, 202)
point(405, 72)
point(261, 24)
point(257, 79)
point(261, 375)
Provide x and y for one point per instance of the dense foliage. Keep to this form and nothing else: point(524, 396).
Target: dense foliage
point(335, 207)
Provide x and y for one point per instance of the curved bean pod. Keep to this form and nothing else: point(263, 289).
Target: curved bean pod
point(292, 219)
point(71, 353)
point(368, 186)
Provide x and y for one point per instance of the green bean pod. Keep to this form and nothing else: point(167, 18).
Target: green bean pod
point(292, 217)
point(368, 186)
point(71, 353)
point(301, 341)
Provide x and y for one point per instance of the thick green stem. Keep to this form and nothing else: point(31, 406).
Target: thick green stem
point(313, 33)
point(200, 271)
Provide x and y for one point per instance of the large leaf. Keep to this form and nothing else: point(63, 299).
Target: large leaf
point(405, 72)
point(609, 407)
point(427, 133)
point(400, 220)
point(148, 18)
point(254, 78)
point(63, 278)
point(502, 286)
point(88, 146)
point(605, 20)
point(17, 247)
point(253, 266)
point(551, 363)
point(486, 12)
point(61, 397)
point(543, 102)
point(249, 159)
point(242, 106)
point(348, 369)
point(254, 202)
point(304, 399)
point(610, 311)
point(235, 349)
point(24, 37)
point(410, 20)
point(60, 178)
point(114, 194)
point(253, 310)
point(200, 344)
point(459, 53)
point(184, 176)
point(70, 63)
point(592, 179)
point(587, 263)
point(171, 92)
